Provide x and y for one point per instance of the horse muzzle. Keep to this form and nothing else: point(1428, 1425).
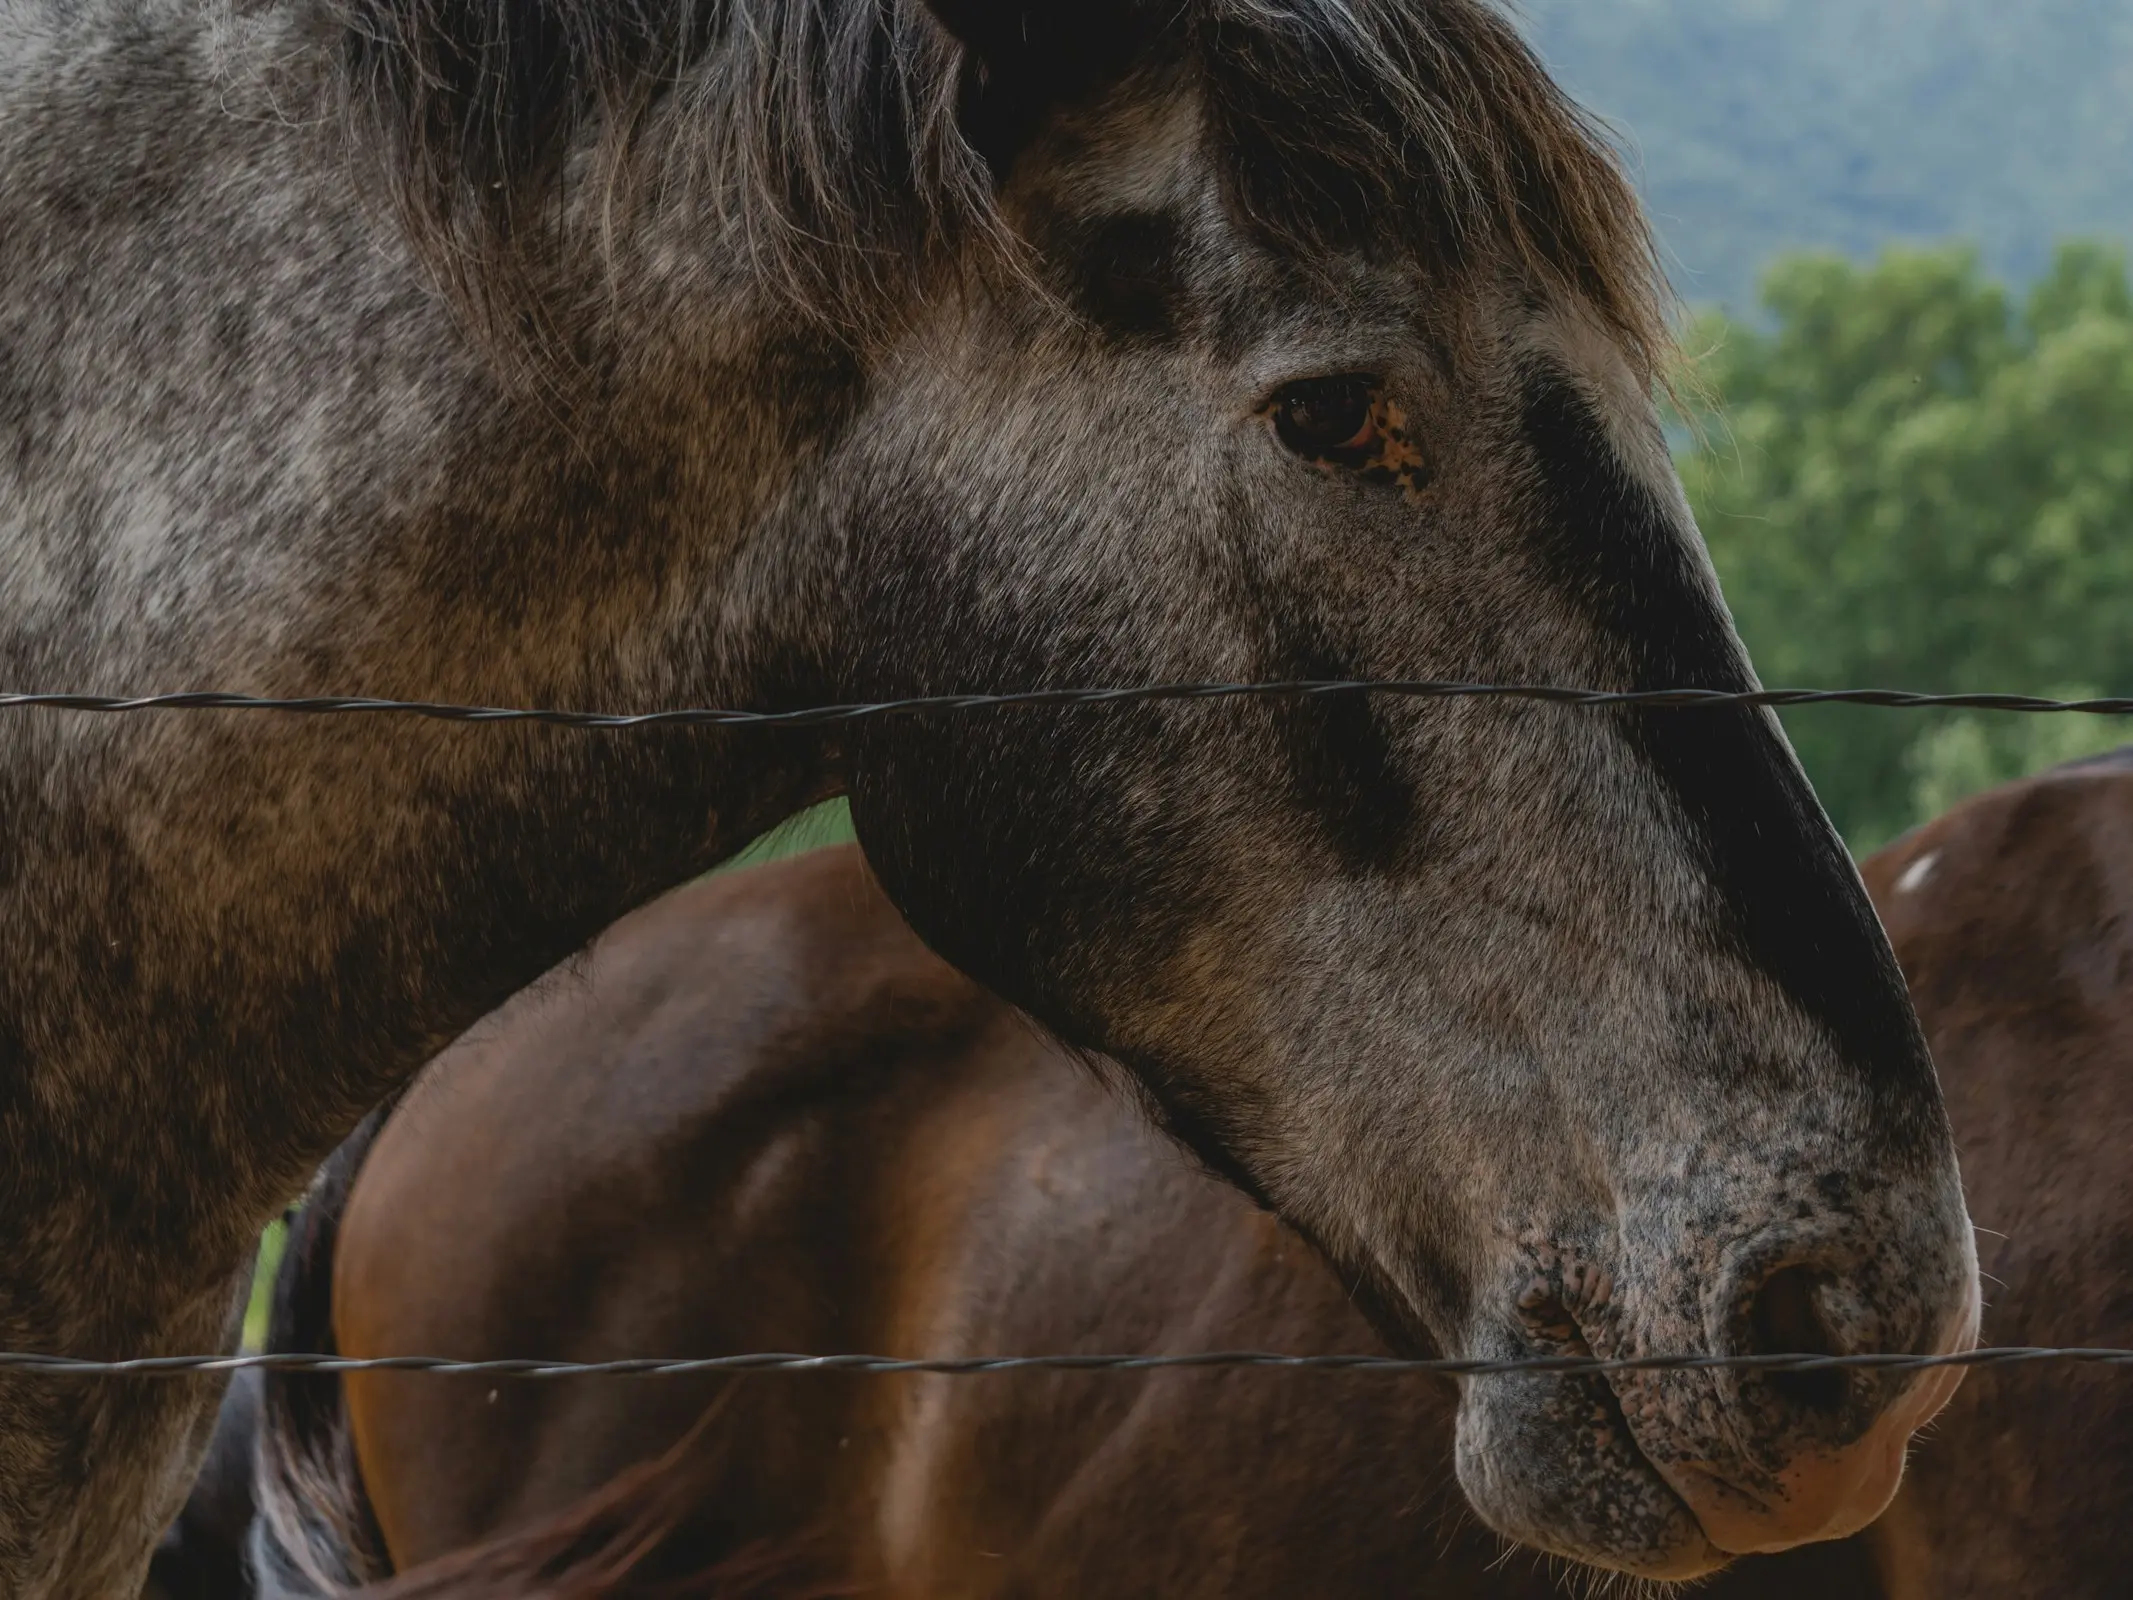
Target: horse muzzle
point(1670, 1473)
point(1814, 1454)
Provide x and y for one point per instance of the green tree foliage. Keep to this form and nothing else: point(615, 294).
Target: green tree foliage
point(1915, 482)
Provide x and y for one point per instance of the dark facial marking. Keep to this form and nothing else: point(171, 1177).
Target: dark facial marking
point(1342, 769)
point(1123, 274)
point(1791, 898)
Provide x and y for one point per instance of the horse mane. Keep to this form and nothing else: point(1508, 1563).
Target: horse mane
point(817, 136)
point(825, 135)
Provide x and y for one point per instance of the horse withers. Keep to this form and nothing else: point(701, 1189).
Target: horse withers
point(803, 351)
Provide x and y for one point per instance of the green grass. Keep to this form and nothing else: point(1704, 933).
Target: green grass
point(263, 1269)
point(826, 824)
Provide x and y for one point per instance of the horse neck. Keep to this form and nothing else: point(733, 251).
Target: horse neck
point(255, 450)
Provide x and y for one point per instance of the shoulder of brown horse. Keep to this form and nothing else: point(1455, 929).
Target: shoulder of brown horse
point(761, 1115)
point(2012, 917)
point(735, 986)
point(784, 1124)
point(907, 1167)
point(718, 1066)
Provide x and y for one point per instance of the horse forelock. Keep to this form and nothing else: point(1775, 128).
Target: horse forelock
point(826, 136)
point(1427, 128)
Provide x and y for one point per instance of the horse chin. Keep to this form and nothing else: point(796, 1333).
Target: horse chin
point(1550, 1462)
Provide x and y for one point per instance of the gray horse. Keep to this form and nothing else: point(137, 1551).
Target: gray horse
point(624, 353)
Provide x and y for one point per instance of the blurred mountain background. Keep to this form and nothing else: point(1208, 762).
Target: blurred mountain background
point(1760, 127)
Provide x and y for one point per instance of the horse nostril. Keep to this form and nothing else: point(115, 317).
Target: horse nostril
point(1784, 1320)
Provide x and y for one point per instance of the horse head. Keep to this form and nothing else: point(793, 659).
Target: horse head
point(1327, 352)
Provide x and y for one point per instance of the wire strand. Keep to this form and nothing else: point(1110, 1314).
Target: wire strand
point(972, 1366)
point(816, 716)
point(27, 1362)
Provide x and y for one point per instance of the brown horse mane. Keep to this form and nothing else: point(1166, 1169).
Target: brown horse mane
point(826, 132)
point(614, 1544)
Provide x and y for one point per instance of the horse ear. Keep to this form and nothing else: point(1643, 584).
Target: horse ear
point(1005, 36)
point(1023, 57)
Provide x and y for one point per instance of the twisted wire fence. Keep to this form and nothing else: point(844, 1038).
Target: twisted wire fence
point(1676, 699)
point(856, 711)
point(762, 1361)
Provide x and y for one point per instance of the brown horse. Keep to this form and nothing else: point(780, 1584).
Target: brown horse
point(2013, 917)
point(634, 353)
point(770, 1119)
point(782, 1125)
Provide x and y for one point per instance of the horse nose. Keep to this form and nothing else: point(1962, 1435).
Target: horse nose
point(1785, 1317)
point(1823, 1448)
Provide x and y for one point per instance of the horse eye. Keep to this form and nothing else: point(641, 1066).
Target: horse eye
point(1328, 419)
